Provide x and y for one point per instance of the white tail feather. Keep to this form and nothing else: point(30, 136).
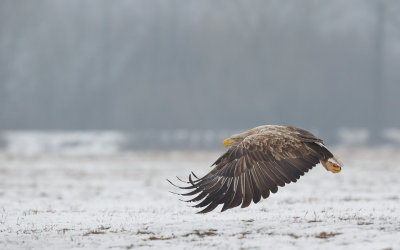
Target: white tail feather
point(334, 158)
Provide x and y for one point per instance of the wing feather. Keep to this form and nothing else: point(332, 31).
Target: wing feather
point(248, 186)
point(262, 183)
point(268, 177)
point(274, 174)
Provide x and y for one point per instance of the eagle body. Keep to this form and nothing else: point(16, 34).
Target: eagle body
point(257, 162)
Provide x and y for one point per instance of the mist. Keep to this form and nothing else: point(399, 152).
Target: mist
point(199, 65)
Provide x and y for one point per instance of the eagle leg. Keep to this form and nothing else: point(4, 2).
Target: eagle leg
point(330, 166)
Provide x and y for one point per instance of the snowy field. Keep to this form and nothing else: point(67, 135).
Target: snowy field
point(121, 201)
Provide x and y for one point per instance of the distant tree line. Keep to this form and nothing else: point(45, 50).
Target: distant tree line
point(198, 64)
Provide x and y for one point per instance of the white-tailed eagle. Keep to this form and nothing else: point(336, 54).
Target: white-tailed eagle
point(257, 162)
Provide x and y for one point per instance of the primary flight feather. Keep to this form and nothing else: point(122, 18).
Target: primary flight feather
point(257, 162)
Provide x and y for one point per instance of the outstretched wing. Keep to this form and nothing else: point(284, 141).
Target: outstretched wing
point(256, 167)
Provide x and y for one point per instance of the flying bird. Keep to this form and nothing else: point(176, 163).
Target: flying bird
point(257, 162)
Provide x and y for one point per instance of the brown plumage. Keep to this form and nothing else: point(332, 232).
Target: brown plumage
point(258, 161)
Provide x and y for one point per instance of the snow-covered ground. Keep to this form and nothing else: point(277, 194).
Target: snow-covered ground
point(121, 201)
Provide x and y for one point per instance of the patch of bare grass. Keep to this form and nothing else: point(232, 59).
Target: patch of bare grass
point(325, 235)
point(294, 235)
point(93, 232)
point(364, 223)
point(162, 238)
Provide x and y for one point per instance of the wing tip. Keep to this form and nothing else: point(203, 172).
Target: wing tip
point(189, 187)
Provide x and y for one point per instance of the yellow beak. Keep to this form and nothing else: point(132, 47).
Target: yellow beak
point(227, 142)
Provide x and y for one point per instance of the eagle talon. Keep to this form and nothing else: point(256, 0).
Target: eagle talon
point(330, 166)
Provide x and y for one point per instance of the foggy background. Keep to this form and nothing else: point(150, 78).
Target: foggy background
point(187, 74)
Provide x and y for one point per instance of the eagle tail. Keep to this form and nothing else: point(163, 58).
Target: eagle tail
point(333, 163)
